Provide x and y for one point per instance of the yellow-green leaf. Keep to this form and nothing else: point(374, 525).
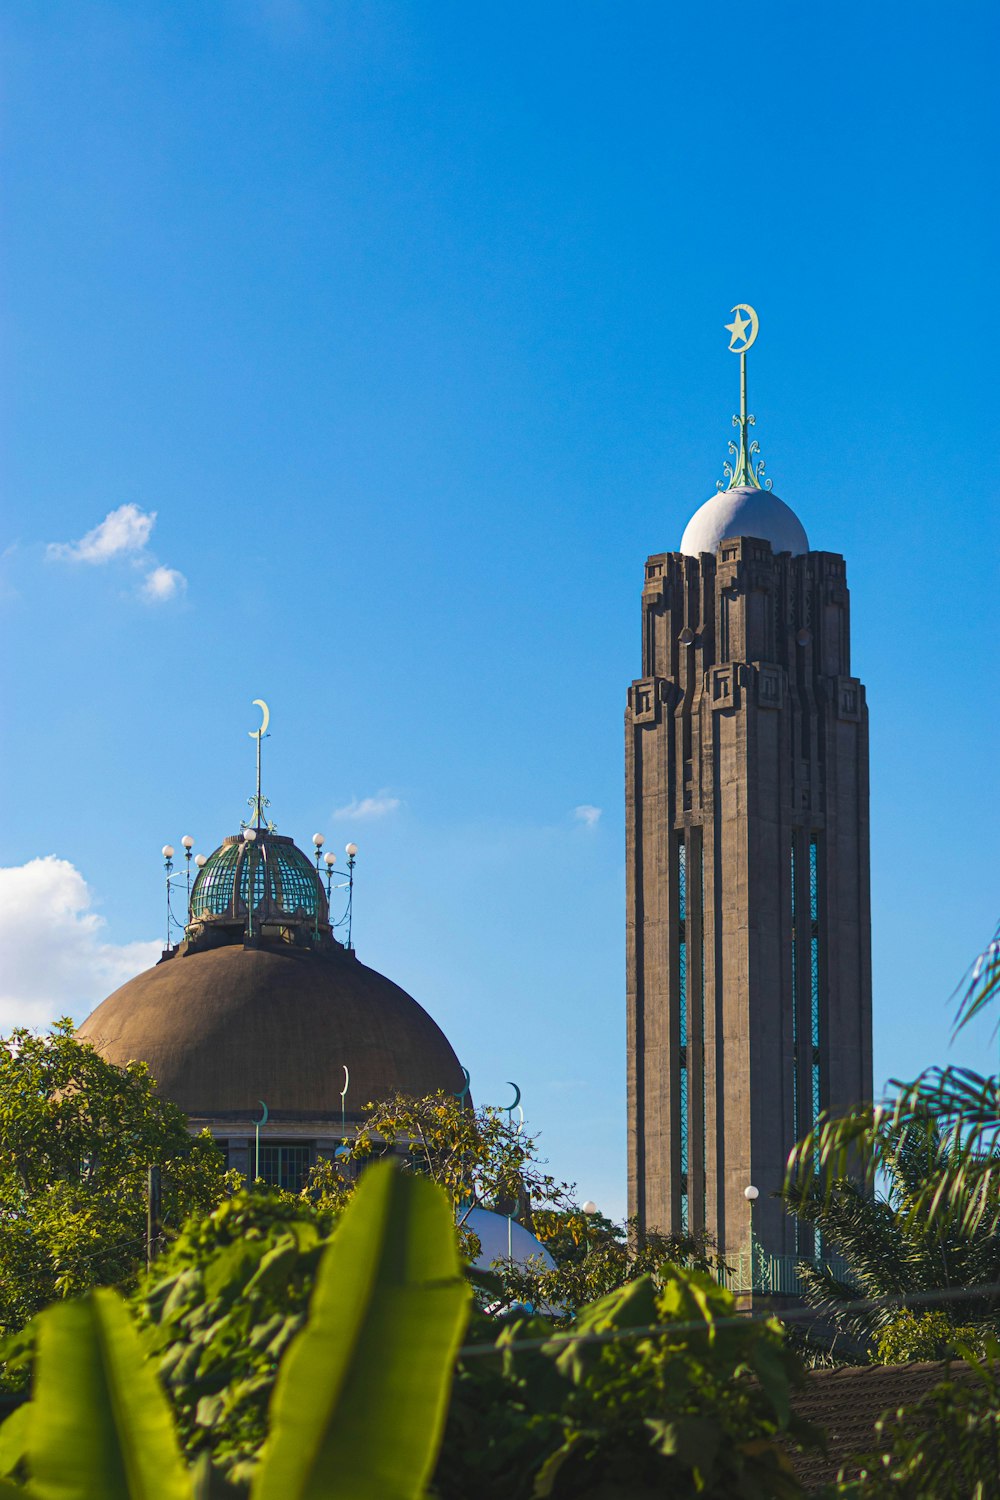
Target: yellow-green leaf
point(361, 1397)
point(99, 1427)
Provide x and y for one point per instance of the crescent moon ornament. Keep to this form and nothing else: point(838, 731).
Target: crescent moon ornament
point(465, 1090)
point(740, 341)
point(265, 1116)
point(347, 1083)
point(258, 734)
point(510, 1108)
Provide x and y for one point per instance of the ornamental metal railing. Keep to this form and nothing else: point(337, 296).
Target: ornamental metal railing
point(757, 1272)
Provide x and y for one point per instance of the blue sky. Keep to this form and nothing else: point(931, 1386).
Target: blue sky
point(406, 322)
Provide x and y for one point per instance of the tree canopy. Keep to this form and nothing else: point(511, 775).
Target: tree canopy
point(77, 1136)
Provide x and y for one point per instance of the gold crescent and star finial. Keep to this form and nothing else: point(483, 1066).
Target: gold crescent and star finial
point(741, 341)
point(258, 734)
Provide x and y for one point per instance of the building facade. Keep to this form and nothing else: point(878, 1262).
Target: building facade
point(747, 858)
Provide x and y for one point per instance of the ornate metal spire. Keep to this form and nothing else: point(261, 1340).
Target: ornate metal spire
point(258, 803)
point(744, 469)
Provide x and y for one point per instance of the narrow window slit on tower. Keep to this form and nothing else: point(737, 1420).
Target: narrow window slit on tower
point(796, 1120)
point(700, 1038)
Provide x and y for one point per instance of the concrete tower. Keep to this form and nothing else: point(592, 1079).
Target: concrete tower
point(748, 910)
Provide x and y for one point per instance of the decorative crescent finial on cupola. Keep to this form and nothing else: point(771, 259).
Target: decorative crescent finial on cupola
point(259, 802)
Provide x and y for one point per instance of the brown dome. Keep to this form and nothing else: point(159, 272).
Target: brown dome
point(226, 1027)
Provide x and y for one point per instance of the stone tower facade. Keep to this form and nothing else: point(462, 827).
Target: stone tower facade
point(748, 910)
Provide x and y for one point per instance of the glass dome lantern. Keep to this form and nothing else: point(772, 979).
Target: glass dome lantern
point(269, 879)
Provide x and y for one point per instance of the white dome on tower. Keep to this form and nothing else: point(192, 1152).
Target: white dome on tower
point(744, 511)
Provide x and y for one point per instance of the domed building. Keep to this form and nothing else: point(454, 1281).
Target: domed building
point(261, 1015)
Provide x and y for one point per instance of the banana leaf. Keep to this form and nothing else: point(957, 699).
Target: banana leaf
point(360, 1402)
point(99, 1424)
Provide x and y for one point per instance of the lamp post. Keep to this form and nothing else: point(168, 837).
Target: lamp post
point(168, 865)
point(751, 1194)
point(590, 1209)
point(187, 843)
point(352, 853)
point(318, 842)
point(330, 860)
point(250, 838)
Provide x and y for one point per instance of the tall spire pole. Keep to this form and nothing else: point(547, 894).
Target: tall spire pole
point(260, 736)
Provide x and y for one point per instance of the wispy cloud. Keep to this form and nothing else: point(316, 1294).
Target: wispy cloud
point(124, 530)
point(125, 533)
point(162, 585)
point(379, 806)
point(588, 815)
point(56, 958)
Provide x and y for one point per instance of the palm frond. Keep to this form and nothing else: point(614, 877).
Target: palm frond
point(938, 1140)
point(981, 983)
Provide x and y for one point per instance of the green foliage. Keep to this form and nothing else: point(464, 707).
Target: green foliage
point(359, 1406)
point(946, 1446)
point(98, 1422)
point(76, 1137)
point(478, 1156)
point(894, 1251)
point(935, 1146)
point(963, 1106)
point(593, 1257)
point(361, 1397)
point(908, 1336)
point(219, 1309)
point(651, 1392)
point(981, 985)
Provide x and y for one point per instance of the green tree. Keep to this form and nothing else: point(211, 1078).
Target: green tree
point(936, 1141)
point(77, 1135)
point(963, 1107)
point(478, 1156)
point(894, 1253)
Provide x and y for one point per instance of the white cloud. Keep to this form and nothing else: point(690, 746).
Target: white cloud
point(125, 532)
point(588, 815)
point(163, 584)
point(126, 529)
point(56, 960)
point(378, 806)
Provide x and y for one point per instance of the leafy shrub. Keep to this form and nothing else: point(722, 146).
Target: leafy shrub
point(651, 1392)
point(926, 1335)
